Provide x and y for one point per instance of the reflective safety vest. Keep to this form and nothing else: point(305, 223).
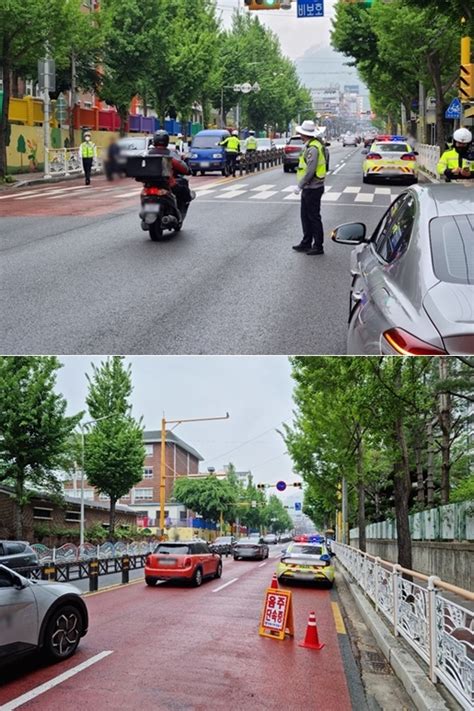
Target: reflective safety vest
point(251, 143)
point(87, 149)
point(452, 160)
point(321, 164)
point(231, 144)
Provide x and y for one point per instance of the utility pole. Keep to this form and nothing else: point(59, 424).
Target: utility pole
point(164, 423)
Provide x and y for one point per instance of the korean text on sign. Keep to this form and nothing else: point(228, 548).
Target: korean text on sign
point(275, 611)
point(310, 8)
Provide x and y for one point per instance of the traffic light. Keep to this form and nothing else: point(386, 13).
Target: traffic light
point(297, 484)
point(260, 486)
point(263, 4)
point(466, 82)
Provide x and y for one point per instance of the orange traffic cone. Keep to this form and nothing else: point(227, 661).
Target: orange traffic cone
point(274, 583)
point(311, 640)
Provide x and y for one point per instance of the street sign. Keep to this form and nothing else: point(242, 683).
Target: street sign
point(454, 110)
point(297, 505)
point(61, 108)
point(246, 88)
point(237, 87)
point(277, 614)
point(47, 74)
point(310, 8)
point(280, 485)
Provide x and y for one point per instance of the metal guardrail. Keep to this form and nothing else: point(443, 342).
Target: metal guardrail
point(259, 160)
point(69, 553)
point(439, 630)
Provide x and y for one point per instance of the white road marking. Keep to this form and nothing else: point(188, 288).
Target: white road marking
point(264, 195)
point(133, 193)
point(231, 194)
point(263, 188)
point(292, 197)
point(232, 187)
point(351, 190)
point(205, 191)
point(288, 189)
point(331, 197)
point(24, 698)
point(338, 169)
point(47, 193)
point(383, 191)
point(262, 564)
point(364, 197)
point(221, 587)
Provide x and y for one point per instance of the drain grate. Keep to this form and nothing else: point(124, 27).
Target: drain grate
point(376, 662)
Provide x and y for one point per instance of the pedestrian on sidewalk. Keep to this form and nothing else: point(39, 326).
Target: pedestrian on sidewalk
point(87, 152)
point(311, 174)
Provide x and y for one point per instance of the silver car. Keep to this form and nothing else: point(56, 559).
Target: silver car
point(35, 614)
point(250, 548)
point(412, 280)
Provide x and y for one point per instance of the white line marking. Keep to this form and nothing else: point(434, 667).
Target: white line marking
point(330, 197)
point(47, 193)
point(263, 188)
point(230, 194)
point(232, 187)
point(24, 698)
point(221, 587)
point(383, 191)
point(126, 195)
point(288, 189)
point(351, 190)
point(292, 197)
point(262, 564)
point(364, 197)
point(264, 195)
point(199, 193)
point(338, 169)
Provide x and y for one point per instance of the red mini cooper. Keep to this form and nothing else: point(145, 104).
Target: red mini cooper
point(182, 560)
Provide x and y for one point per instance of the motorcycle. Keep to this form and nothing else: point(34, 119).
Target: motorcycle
point(159, 208)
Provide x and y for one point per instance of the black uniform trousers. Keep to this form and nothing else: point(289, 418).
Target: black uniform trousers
point(231, 158)
point(313, 233)
point(87, 165)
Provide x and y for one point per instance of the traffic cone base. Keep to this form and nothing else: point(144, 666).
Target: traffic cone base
point(274, 583)
point(311, 640)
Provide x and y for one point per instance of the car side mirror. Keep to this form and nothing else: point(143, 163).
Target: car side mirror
point(351, 233)
point(364, 151)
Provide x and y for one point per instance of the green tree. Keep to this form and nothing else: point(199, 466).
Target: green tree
point(34, 429)
point(208, 497)
point(114, 450)
point(275, 517)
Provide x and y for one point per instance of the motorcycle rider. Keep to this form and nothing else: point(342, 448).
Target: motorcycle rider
point(457, 163)
point(232, 149)
point(177, 182)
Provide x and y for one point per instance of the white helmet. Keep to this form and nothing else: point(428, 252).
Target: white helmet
point(251, 132)
point(180, 135)
point(462, 135)
point(235, 133)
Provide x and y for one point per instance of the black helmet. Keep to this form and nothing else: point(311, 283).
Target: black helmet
point(161, 138)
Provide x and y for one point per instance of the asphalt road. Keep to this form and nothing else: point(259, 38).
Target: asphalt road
point(78, 274)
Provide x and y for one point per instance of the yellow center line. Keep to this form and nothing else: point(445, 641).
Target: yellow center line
point(339, 622)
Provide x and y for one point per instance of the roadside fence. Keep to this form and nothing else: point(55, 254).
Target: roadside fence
point(428, 157)
point(259, 160)
point(66, 161)
point(70, 553)
point(418, 609)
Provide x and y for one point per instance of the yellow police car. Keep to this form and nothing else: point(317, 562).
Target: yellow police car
point(390, 160)
point(309, 560)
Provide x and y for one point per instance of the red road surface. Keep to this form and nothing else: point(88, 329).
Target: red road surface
point(178, 648)
point(72, 197)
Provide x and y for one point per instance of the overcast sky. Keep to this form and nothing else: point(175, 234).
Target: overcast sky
point(255, 390)
point(296, 34)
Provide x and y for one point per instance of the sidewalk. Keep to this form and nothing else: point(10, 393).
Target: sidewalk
point(21, 180)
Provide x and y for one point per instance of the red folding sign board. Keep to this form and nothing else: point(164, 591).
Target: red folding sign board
point(277, 614)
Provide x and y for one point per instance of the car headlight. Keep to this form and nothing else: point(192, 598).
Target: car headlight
point(193, 155)
point(217, 155)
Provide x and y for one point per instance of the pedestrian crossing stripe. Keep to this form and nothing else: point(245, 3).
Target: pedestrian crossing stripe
point(263, 195)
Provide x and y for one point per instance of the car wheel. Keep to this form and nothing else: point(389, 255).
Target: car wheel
point(63, 632)
point(194, 172)
point(197, 577)
point(150, 581)
point(218, 572)
point(236, 557)
point(365, 179)
point(203, 172)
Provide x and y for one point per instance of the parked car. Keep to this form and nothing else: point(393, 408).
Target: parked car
point(292, 151)
point(223, 545)
point(182, 560)
point(35, 614)
point(17, 554)
point(306, 561)
point(270, 538)
point(412, 288)
point(205, 154)
point(250, 548)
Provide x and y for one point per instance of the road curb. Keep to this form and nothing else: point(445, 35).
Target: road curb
point(423, 693)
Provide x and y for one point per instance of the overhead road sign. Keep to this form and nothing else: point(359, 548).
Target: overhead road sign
point(454, 110)
point(310, 8)
point(281, 485)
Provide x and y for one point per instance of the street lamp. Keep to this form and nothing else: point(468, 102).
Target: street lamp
point(82, 425)
point(244, 88)
point(165, 422)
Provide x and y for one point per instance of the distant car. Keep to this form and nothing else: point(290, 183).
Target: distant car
point(390, 160)
point(17, 554)
point(306, 561)
point(349, 140)
point(270, 538)
point(292, 151)
point(250, 548)
point(182, 560)
point(205, 154)
point(35, 614)
point(369, 138)
point(264, 144)
point(223, 545)
point(412, 284)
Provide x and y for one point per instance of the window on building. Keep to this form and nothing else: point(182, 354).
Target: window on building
point(143, 493)
point(73, 516)
point(149, 450)
point(46, 514)
point(148, 472)
point(125, 496)
point(182, 516)
point(104, 497)
point(88, 493)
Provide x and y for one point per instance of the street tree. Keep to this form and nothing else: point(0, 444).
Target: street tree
point(208, 497)
point(114, 450)
point(35, 433)
point(275, 517)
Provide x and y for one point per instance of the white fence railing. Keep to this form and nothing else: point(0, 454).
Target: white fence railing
point(428, 157)
point(70, 553)
point(439, 630)
point(64, 161)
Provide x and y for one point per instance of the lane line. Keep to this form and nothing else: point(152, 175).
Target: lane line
point(262, 564)
point(24, 698)
point(338, 169)
point(221, 587)
point(339, 622)
point(279, 202)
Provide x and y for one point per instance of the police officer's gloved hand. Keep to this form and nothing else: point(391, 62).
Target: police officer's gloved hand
point(448, 174)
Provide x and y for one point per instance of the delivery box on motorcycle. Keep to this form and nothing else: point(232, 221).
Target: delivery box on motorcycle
point(149, 166)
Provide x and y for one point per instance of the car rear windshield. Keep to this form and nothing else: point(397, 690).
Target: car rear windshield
point(164, 549)
point(452, 248)
point(306, 550)
point(392, 148)
point(206, 141)
point(253, 541)
point(296, 140)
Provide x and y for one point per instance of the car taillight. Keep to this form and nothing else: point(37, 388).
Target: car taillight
point(292, 149)
point(374, 156)
point(154, 191)
point(408, 156)
point(148, 560)
point(407, 344)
